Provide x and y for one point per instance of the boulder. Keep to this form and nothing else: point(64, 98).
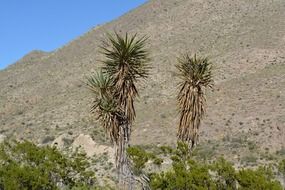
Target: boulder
point(62, 141)
point(2, 138)
point(90, 147)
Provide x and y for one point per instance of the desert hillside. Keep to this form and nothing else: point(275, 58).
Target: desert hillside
point(43, 96)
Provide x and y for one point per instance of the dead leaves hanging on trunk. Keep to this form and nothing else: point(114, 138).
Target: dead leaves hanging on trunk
point(195, 74)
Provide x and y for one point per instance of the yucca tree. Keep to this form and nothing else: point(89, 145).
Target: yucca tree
point(105, 107)
point(126, 63)
point(195, 75)
point(113, 119)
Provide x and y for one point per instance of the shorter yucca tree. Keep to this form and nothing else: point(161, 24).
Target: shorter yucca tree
point(113, 119)
point(195, 74)
point(107, 111)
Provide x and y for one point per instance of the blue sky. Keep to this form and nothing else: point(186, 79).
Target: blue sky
point(27, 25)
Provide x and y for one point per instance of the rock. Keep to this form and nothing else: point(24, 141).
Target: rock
point(62, 141)
point(47, 140)
point(2, 138)
point(90, 147)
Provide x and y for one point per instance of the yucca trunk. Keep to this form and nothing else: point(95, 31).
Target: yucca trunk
point(125, 174)
point(127, 179)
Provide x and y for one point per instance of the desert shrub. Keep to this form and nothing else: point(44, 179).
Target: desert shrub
point(225, 174)
point(180, 177)
point(249, 159)
point(140, 157)
point(23, 165)
point(281, 167)
point(158, 161)
point(166, 150)
point(204, 152)
point(251, 145)
point(187, 173)
point(262, 178)
point(281, 152)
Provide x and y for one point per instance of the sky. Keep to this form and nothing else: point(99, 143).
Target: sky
point(27, 25)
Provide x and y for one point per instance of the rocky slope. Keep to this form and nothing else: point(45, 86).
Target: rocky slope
point(43, 96)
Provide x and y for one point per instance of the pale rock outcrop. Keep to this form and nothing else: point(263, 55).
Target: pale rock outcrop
point(2, 138)
point(62, 141)
point(90, 147)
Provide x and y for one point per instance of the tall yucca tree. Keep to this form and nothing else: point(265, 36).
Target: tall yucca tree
point(196, 75)
point(126, 62)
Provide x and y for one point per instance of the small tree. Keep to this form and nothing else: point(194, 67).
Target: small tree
point(115, 90)
point(195, 74)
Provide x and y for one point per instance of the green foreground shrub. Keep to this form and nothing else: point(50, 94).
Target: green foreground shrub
point(26, 166)
point(187, 174)
point(140, 157)
point(281, 167)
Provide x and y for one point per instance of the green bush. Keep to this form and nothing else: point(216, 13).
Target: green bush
point(27, 166)
point(158, 161)
point(221, 175)
point(166, 150)
point(262, 178)
point(225, 174)
point(281, 167)
point(140, 157)
point(180, 177)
